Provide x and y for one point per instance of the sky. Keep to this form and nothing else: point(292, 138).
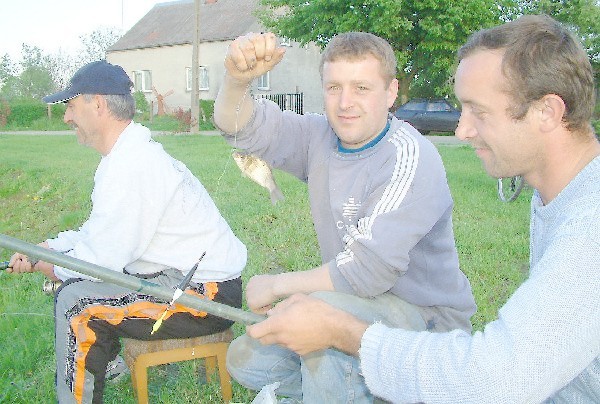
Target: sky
point(54, 25)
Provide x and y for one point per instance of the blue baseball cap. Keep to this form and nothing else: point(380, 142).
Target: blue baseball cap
point(98, 77)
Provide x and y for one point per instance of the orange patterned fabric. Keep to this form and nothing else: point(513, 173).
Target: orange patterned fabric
point(85, 336)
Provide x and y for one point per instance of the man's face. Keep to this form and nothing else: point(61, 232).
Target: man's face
point(80, 114)
point(505, 146)
point(357, 99)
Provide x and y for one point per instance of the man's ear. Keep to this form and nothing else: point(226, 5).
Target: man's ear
point(392, 92)
point(552, 112)
point(100, 104)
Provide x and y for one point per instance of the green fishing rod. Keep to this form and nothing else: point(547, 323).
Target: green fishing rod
point(126, 281)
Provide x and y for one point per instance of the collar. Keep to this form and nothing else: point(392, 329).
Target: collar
point(372, 143)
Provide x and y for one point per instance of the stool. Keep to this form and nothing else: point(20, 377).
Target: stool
point(139, 355)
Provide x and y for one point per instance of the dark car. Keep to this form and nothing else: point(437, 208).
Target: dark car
point(435, 115)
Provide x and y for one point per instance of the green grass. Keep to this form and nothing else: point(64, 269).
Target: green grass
point(45, 184)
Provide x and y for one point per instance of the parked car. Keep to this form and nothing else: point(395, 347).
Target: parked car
point(435, 115)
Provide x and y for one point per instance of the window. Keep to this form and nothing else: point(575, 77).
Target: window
point(142, 80)
point(264, 81)
point(202, 78)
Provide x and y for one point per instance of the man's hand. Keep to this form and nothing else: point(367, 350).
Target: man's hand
point(260, 293)
point(264, 290)
point(252, 55)
point(20, 263)
point(306, 324)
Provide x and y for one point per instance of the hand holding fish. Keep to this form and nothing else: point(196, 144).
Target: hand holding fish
point(252, 55)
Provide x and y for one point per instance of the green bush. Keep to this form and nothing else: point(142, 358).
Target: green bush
point(4, 112)
point(207, 108)
point(141, 103)
point(25, 111)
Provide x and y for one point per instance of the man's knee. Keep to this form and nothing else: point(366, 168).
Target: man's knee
point(239, 353)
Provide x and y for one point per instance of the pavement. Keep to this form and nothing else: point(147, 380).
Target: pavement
point(444, 140)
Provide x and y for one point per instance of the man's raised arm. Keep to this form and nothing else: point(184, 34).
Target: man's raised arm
point(248, 57)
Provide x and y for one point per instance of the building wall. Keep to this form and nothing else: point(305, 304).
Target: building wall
point(297, 72)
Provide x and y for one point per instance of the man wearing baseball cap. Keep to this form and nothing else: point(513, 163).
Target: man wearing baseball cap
point(151, 218)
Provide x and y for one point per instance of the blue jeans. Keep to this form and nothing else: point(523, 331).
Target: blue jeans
point(328, 376)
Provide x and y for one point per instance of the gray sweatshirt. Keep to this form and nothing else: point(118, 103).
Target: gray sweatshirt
point(382, 215)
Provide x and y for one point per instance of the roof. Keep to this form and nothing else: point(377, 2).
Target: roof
point(172, 23)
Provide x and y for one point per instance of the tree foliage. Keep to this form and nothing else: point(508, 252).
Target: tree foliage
point(34, 79)
point(425, 34)
point(7, 68)
point(39, 74)
point(97, 42)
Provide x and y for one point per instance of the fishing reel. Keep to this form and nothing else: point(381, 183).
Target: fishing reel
point(49, 287)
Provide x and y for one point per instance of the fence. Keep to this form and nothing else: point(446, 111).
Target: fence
point(293, 101)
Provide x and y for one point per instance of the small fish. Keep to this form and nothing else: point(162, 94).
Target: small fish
point(260, 172)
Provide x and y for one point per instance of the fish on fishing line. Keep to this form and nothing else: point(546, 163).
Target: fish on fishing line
point(260, 172)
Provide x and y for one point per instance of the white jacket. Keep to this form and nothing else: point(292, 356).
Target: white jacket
point(150, 213)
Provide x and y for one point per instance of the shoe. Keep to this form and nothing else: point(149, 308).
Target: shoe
point(116, 369)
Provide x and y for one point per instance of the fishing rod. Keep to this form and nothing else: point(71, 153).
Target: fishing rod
point(127, 281)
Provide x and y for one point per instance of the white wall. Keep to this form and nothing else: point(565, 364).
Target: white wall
point(298, 72)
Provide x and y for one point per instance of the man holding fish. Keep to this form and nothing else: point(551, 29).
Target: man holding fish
point(527, 94)
point(380, 203)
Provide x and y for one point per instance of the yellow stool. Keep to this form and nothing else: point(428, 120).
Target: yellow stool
point(140, 355)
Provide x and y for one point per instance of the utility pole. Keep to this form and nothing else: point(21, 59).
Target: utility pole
point(195, 107)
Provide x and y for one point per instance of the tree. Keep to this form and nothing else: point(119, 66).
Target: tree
point(62, 66)
point(425, 34)
point(97, 42)
point(7, 69)
point(34, 79)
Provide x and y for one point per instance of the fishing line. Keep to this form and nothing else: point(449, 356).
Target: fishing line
point(234, 147)
point(27, 314)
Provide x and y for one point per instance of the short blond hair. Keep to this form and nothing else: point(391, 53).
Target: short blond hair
point(358, 45)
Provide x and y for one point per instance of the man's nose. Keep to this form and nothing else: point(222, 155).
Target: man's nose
point(465, 130)
point(346, 99)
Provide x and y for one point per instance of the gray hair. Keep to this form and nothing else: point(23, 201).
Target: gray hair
point(121, 107)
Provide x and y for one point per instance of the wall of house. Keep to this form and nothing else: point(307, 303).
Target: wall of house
point(298, 72)
point(167, 65)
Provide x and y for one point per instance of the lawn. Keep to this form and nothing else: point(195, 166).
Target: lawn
point(45, 182)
